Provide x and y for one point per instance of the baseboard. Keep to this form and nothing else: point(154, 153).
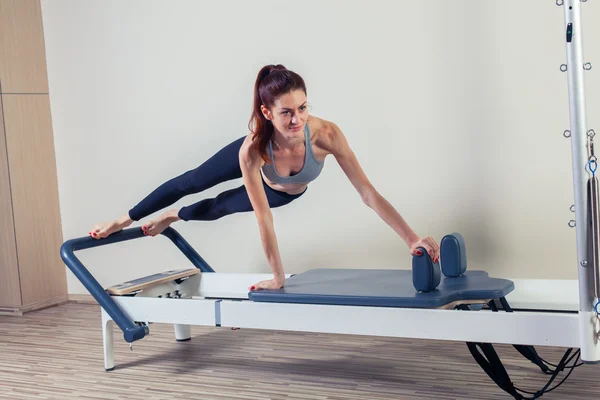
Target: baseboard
point(11, 311)
point(82, 299)
point(19, 311)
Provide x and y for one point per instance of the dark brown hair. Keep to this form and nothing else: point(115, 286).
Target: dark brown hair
point(272, 81)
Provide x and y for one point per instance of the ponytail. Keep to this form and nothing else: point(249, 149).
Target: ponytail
point(272, 81)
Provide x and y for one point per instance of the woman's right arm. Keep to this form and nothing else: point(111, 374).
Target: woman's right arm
point(250, 163)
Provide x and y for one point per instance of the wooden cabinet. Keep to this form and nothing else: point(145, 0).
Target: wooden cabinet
point(22, 51)
point(32, 274)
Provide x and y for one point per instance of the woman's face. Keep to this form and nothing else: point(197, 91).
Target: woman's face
point(288, 114)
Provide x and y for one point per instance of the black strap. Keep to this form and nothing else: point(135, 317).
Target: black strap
point(531, 354)
point(492, 366)
point(528, 352)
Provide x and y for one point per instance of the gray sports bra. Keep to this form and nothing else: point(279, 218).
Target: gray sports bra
point(309, 172)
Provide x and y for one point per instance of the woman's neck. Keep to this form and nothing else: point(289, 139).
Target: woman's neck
point(283, 143)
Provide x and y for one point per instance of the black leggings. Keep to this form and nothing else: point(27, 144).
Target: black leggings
point(221, 167)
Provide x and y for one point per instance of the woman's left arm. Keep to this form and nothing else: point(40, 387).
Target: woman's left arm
point(347, 160)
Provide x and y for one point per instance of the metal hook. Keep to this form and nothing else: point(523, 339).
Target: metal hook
point(572, 223)
point(593, 164)
point(567, 133)
point(591, 133)
point(563, 67)
point(588, 165)
point(572, 208)
point(587, 66)
point(559, 2)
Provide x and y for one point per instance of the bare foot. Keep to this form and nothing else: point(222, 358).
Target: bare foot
point(156, 226)
point(269, 284)
point(105, 229)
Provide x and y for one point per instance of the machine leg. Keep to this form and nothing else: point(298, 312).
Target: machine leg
point(108, 341)
point(182, 332)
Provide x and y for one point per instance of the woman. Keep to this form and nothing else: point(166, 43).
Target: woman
point(285, 151)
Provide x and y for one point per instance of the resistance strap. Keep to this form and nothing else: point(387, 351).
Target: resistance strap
point(488, 359)
point(593, 239)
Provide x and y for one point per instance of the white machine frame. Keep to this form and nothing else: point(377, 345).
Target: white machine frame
point(221, 299)
point(587, 267)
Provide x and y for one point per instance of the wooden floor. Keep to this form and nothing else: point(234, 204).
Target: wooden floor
point(57, 354)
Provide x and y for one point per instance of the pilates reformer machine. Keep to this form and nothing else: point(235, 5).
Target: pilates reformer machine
point(439, 301)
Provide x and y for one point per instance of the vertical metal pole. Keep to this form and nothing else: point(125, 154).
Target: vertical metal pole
point(588, 323)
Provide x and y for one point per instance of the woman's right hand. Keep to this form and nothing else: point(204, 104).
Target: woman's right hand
point(268, 284)
point(250, 163)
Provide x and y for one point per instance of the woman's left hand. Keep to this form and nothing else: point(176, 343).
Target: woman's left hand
point(429, 244)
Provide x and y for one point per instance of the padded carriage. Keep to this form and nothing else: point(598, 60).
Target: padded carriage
point(382, 288)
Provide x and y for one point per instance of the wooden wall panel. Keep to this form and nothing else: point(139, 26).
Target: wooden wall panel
point(10, 291)
point(22, 50)
point(34, 185)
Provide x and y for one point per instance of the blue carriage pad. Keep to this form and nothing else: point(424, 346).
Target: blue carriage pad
point(381, 288)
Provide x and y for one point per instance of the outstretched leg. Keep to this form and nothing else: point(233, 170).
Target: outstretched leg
point(226, 203)
point(230, 202)
point(222, 166)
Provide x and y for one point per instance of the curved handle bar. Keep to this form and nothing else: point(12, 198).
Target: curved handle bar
point(130, 330)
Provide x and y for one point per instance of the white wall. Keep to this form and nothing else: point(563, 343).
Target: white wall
point(455, 109)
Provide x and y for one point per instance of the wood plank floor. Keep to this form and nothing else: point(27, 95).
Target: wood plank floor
point(56, 353)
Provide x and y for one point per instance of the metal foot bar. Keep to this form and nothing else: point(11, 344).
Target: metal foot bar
point(131, 331)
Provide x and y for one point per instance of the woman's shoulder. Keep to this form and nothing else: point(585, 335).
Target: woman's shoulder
point(324, 132)
point(322, 128)
point(248, 153)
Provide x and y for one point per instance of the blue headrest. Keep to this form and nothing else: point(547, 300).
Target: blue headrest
point(426, 273)
point(453, 255)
